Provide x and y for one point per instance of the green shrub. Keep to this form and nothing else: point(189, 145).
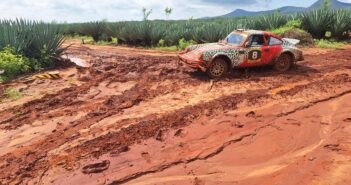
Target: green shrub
point(182, 44)
point(292, 24)
point(14, 65)
point(161, 43)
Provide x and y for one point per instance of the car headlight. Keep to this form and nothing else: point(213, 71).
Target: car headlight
point(186, 50)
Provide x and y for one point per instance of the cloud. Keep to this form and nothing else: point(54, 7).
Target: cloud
point(119, 10)
point(113, 10)
point(230, 2)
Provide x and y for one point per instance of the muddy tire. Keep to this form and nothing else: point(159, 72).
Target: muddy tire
point(284, 63)
point(218, 68)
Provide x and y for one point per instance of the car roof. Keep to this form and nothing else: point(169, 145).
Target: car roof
point(257, 32)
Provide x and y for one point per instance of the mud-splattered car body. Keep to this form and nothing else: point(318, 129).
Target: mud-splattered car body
point(242, 49)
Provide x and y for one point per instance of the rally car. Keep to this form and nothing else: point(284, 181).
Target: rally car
point(242, 49)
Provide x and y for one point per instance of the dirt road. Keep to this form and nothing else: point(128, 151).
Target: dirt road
point(137, 117)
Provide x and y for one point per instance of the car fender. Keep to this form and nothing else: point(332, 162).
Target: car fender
point(233, 57)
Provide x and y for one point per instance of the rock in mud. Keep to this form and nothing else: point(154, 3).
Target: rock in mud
point(178, 133)
point(119, 151)
point(332, 147)
point(251, 114)
point(96, 168)
point(238, 125)
point(159, 135)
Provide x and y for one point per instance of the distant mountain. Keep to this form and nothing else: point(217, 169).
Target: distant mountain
point(335, 4)
point(284, 10)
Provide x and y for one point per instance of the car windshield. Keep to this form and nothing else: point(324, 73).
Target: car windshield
point(235, 39)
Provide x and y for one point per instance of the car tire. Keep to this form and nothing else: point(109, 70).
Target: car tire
point(284, 63)
point(218, 68)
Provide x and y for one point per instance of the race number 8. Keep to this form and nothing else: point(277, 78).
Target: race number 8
point(254, 55)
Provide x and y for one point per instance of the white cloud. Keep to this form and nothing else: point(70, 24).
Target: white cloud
point(117, 10)
point(113, 10)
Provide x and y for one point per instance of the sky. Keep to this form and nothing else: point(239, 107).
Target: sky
point(121, 10)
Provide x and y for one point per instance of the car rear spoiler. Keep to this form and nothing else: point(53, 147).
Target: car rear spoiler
point(291, 41)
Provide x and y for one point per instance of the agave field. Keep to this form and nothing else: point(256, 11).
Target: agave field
point(37, 45)
point(149, 33)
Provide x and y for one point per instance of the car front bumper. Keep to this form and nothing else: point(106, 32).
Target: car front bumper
point(194, 64)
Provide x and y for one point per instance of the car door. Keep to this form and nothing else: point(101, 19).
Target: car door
point(255, 48)
point(273, 50)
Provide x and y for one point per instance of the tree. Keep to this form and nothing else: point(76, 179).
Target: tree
point(168, 11)
point(146, 14)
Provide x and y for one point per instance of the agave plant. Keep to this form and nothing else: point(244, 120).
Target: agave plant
point(270, 21)
point(317, 22)
point(211, 32)
point(32, 39)
point(341, 23)
point(140, 33)
point(16, 34)
point(94, 29)
point(231, 26)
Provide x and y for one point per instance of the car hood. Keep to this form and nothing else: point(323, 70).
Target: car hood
point(201, 48)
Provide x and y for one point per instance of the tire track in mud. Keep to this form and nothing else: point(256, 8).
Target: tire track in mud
point(35, 161)
point(101, 71)
point(184, 120)
point(148, 127)
point(166, 166)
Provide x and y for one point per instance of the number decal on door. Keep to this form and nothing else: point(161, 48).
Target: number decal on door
point(254, 56)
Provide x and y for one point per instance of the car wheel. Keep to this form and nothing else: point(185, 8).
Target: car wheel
point(283, 63)
point(218, 68)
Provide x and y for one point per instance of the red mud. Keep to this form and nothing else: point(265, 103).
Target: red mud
point(137, 117)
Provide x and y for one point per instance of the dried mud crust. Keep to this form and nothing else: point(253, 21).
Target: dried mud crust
point(143, 79)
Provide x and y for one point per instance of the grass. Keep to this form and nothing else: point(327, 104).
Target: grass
point(90, 40)
point(182, 44)
point(329, 44)
point(85, 39)
point(167, 48)
point(12, 94)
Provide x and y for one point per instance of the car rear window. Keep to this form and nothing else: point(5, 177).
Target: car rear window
point(274, 41)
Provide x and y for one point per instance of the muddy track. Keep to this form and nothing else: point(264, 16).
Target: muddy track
point(125, 99)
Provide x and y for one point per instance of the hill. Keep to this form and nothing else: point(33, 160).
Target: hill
point(335, 4)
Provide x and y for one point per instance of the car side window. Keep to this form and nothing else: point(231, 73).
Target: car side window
point(257, 40)
point(274, 41)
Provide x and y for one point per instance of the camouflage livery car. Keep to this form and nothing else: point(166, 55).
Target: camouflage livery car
point(241, 49)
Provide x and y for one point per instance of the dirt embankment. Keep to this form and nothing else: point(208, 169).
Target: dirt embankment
point(137, 117)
